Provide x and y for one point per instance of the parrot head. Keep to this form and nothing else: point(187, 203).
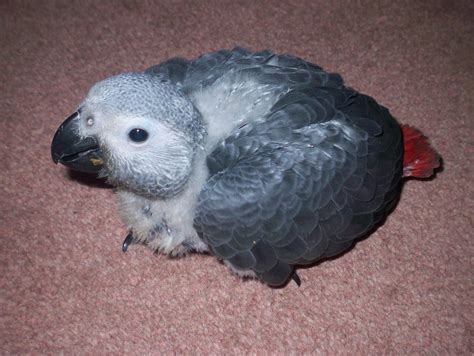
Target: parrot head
point(137, 130)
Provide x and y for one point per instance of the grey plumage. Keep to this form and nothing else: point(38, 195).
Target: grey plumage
point(266, 160)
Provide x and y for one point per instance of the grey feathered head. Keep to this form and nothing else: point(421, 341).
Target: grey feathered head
point(146, 130)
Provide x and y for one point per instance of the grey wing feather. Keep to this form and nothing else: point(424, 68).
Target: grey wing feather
point(281, 70)
point(303, 182)
point(174, 69)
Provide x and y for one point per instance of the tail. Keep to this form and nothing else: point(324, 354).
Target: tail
point(419, 158)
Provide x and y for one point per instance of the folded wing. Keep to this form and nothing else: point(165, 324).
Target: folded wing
point(319, 171)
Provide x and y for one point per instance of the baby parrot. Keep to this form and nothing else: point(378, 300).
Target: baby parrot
point(264, 160)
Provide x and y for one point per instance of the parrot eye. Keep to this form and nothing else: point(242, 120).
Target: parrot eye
point(138, 135)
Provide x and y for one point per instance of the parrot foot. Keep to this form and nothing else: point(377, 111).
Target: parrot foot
point(127, 242)
point(296, 278)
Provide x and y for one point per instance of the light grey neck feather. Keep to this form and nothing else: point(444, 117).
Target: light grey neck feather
point(230, 102)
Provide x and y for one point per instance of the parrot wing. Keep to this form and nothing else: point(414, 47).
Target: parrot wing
point(319, 171)
point(270, 68)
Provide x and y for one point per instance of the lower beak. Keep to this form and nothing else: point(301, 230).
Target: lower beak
point(78, 153)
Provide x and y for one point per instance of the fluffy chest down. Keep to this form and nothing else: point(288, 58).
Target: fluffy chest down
point(166, 225)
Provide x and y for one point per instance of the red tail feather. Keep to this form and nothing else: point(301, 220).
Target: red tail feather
point(419, 158)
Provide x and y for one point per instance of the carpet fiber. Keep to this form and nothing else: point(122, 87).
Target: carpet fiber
point(65, 285)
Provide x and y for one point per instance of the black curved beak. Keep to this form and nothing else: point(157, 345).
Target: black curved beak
point(73, 151)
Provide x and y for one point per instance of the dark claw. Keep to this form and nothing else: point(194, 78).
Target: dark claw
point(127, 242)
point(296, 278)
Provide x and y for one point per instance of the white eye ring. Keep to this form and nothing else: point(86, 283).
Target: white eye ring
point(90, 121)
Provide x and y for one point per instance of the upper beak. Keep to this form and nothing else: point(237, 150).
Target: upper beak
point(73, 151)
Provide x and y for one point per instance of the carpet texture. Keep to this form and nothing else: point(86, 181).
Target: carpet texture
point(65, 285)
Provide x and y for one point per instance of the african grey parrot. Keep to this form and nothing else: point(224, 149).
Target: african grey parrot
point(265, 160)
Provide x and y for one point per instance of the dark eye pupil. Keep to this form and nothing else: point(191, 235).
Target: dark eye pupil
point(138, 135)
